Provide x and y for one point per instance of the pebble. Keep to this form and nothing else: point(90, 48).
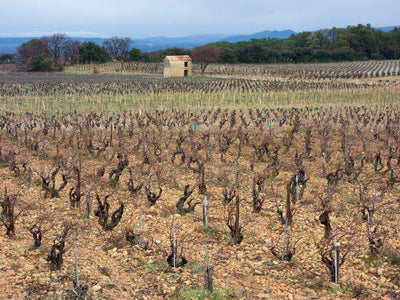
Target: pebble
point(257, 264)
point(258, 272)
point(28, 267)
point(186, 273)
point(96, 288)
point(262, 296)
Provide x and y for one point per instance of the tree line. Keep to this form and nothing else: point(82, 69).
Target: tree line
point(53, 52)
point(50, 53)
point(44, 53)
point(361, 42)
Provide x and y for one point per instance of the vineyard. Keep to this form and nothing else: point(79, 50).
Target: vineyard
point(197, 188)
point(337, 70)
point(50, 93)
point(341, 70)
point(87, 85)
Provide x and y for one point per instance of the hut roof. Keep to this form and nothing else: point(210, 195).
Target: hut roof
point(178, 58)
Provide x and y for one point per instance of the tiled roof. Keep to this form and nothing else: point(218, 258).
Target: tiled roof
point(179, 58)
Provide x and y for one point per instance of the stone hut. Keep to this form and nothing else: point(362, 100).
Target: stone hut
point(177, 66)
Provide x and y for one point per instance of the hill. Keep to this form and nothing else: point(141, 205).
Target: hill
point(10, 44)
point(260, 35)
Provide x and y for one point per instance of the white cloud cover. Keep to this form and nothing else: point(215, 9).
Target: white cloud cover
point(136, 19)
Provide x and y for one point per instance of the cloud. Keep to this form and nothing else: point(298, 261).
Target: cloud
point(137, 19)
point(84, 34)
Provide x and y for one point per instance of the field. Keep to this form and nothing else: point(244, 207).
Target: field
point(346, 70)
point(280, 174)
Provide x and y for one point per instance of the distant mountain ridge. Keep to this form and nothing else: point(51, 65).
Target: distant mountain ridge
point(10, 45)
point(187, 42)
point(260, 35)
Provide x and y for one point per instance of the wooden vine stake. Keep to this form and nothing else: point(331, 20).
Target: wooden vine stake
point(174, 244)
point(336, 258)
point(150, 180)
point(78, 161)
point(88, 202)
point(227, 190)
point(205, 218)
point(174, 177)
point(209, 279)
point(9, 162)
point(373, 152)
point(76, 268)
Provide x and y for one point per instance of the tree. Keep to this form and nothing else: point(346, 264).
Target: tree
point(204, 55)
point(253, 52)
point(56, 45)
point(318, 40)
point(40, 63)
point(390, 47)
point(175, 51)
point(300, 39)
point(230, 56)
point(71, 51)
point(117, 47)
point(135, 54)
point(30, 49)
point(91, 52)
point(362, 40)
point(7, 58)
point(153, 56)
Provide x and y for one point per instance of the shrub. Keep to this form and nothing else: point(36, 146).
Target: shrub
point(40, 63)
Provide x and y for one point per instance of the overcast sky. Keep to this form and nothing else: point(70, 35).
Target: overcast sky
point(172, 18)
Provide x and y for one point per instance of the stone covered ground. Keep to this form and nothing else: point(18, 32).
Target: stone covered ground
point(110, 267)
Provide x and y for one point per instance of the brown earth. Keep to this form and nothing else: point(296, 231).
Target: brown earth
point(112, 268)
